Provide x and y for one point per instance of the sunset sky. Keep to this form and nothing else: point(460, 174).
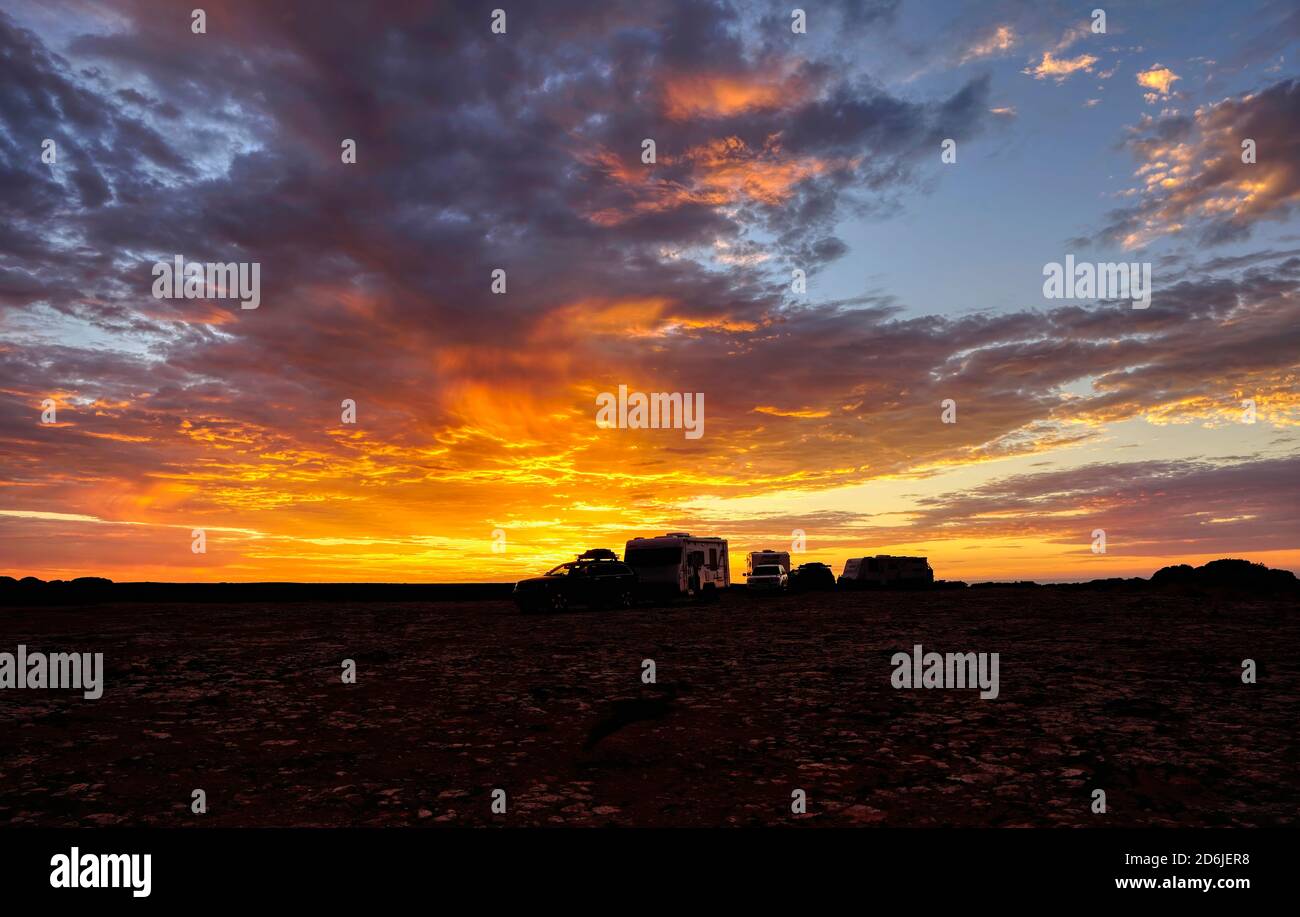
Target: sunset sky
point(522, 152)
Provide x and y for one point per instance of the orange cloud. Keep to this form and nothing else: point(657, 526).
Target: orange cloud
point(719, 173)
point(1157, 78)
point(700, 95)
point(779, 412)
point(1001, 40)
point(727, 170)
point(1060, 69)
point(1193, 172)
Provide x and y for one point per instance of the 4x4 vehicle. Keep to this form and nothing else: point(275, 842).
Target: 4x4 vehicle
point(596, 579)
point(812, 577)
point(767, 578)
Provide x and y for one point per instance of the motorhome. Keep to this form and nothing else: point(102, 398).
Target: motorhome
point(886, 570)
point(680, 564)
point(762, 558)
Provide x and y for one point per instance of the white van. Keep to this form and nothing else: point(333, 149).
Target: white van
point(763, 558)
point(680, 564)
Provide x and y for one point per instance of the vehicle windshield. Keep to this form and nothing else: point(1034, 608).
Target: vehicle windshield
point(561, 570)
point(767, 570)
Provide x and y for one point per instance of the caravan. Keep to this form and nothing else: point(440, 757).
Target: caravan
point(887, 571)
point(765, 557)
point(680, 564)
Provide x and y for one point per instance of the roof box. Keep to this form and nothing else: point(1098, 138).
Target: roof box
point(598, 554)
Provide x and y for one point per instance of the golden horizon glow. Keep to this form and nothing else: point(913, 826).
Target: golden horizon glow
point(679, 273)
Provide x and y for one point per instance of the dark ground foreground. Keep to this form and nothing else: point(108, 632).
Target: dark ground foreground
point(1137, 694)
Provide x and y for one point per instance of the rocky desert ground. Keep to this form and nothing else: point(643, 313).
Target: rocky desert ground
point(1137, 694)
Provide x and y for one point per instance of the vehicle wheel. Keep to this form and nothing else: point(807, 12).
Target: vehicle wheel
point(559, 602)
point(624, 599)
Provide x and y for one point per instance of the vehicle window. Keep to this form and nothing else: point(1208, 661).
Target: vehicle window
point(713, 558)
point(768, 570)
point(561, 570)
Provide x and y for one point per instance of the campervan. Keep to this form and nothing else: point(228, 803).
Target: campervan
point(764, 557)
point(680, 564)
point(887, 570)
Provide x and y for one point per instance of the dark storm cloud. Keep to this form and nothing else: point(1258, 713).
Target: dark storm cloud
point(476, 152)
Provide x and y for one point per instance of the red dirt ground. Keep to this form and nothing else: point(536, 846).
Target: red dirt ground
point(1138, 694)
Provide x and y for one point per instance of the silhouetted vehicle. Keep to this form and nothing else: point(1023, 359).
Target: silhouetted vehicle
point(680, 565)
point(767, 556)
point(767, 578)
point(812, 577)
point(886, 571)
point(597, 579)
